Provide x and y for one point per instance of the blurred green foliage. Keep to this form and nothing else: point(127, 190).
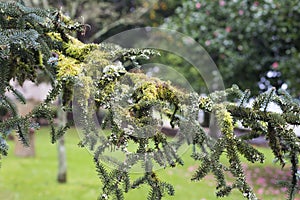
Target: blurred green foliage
point(108, 17)
point(254, 43)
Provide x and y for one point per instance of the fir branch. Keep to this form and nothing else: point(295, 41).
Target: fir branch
point(250, 153)
point(59, 133)
point(3, 146)
point(293, 186)
point(17, 94)
point(22, 132)
point(275, 144)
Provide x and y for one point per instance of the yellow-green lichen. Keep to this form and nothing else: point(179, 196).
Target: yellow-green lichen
point(225, 121)
point(78, 50)
point(152, 92)
point(55, 36)
point(68, 67)
point(147, 92)
point(73, 48)
point(96, 61)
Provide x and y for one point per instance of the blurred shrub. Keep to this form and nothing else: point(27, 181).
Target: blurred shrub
point(254, 43)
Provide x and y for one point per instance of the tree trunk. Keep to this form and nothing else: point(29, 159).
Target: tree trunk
point(62, 161)
point(209, 121)
point(206, 117)
point(213, 128)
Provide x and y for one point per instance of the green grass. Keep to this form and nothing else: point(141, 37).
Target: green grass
point(35, 178)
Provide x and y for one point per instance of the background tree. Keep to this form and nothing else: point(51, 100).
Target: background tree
point(254, 43)
point(108, 17)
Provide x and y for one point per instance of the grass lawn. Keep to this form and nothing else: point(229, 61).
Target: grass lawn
point(35, 178)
